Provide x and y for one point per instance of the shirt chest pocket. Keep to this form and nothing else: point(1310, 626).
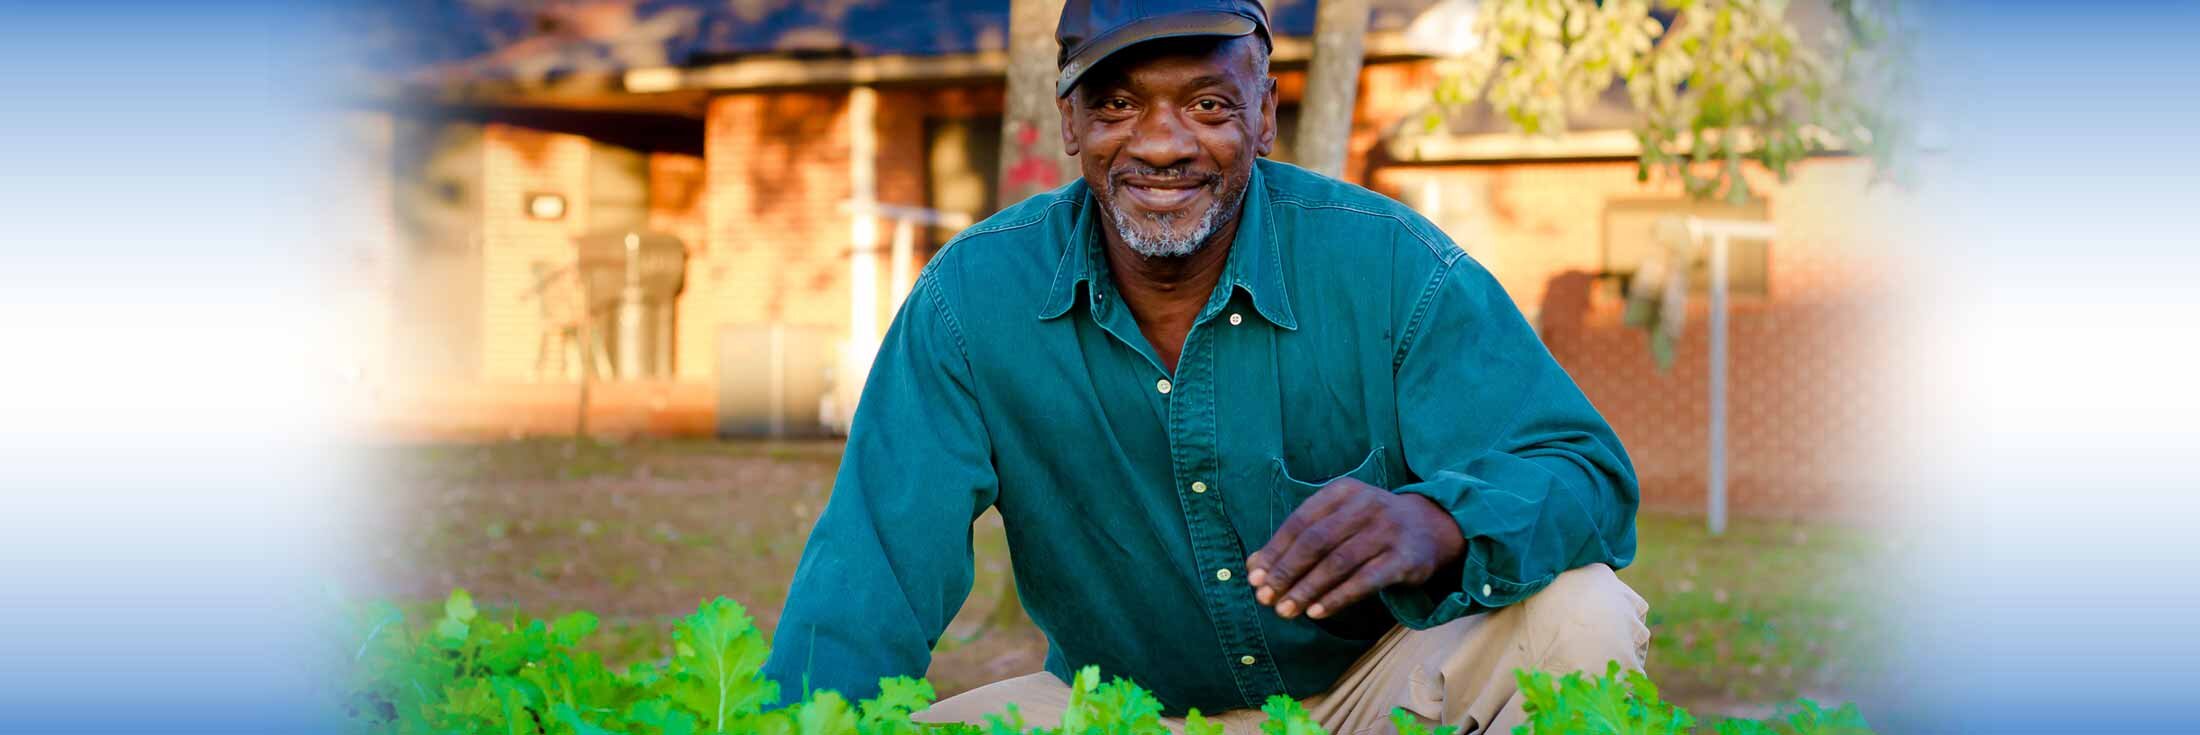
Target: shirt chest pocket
point(1287, 491)
point(1367, 620)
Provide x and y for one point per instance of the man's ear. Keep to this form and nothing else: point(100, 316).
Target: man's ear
point(1268, 118)
point(1069, 122)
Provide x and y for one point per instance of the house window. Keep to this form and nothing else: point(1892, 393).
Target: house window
point(1630, 235)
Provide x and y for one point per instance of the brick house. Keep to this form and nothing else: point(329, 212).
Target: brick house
point(756, 161)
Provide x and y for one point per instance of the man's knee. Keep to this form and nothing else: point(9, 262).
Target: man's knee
point(1039, 698)
point(1585, 618)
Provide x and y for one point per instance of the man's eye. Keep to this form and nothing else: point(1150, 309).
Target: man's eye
point(1208, 105)
point(1116, 103)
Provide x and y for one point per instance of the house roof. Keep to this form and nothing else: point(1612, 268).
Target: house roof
point(523, 40)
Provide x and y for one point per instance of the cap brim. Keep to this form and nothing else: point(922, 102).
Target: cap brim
point(1168, 26)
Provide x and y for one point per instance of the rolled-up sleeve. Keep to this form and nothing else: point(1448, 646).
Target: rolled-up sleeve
point(889, 562)
point(1499, 436)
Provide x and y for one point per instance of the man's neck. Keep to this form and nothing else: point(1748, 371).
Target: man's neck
point(1166, 294)
point(1166, 282)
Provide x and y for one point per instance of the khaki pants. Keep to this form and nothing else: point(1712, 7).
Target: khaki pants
point(1458, 673)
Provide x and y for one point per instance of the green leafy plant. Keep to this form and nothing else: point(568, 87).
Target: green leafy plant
point(461, 673)
point(1627, 703)
point(1620, 703)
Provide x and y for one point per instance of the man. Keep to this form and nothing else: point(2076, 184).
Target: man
point(1252, 431)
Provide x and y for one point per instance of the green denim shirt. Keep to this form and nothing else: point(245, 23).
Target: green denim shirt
point(1348, 337)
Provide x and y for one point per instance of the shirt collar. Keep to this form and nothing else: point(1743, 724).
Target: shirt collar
point(1255, 265)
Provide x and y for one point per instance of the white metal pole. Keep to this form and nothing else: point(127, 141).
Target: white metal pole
point(1720, 232)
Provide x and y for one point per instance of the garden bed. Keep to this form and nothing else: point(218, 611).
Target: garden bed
point(641, 533)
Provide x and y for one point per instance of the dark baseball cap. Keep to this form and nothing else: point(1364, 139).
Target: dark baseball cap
point(1093, 30)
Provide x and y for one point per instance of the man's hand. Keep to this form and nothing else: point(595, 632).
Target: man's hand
point(1348, 541)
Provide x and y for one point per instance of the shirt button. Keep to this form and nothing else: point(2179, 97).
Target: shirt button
point(1247, 660)
point(1485, 590)
point(1222, 574)
point(1236, 320)
point(1162, 385)
point(1199, 487)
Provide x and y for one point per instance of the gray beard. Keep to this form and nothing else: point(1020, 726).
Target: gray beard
point(1162, 242)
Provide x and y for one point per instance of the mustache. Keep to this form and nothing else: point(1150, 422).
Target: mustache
point(1170, 173)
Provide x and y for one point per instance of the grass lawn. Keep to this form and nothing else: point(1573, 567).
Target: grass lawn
point(640, 533)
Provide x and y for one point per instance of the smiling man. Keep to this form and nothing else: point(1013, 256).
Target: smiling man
point(1252, 431)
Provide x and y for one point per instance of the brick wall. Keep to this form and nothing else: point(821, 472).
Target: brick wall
point(518, 161)
point(775, 237)
point(775, 242)
point(678, 192)
point(1808, 363)
point(901, 180)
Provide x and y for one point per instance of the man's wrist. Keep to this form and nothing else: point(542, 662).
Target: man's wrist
point(1443, 530)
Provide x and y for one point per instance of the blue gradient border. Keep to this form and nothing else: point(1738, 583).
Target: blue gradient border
point(172, 494)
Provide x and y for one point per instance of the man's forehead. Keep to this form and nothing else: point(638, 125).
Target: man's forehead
point(1196, 61)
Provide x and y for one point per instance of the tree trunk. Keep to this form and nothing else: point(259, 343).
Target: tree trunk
point(1031, 130)
point(1332, 83)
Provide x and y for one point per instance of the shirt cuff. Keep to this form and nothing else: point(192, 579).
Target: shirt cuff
point(1465, 587)
point(1458, 590)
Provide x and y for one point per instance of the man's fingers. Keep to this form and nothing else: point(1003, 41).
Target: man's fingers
point(1340, 564)
point(1308, 549)
point(1382, 571)
point(1308, 513)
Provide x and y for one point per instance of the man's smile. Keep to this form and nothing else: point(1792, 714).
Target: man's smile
point(1163, 195)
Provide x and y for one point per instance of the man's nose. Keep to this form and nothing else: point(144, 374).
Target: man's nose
point(1162, 139)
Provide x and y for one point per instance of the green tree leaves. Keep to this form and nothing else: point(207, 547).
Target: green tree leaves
point(1723, 83)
